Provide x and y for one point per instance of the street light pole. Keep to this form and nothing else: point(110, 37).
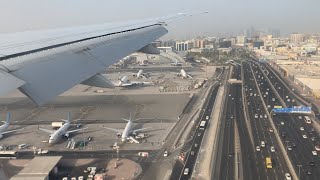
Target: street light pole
point(299, 165)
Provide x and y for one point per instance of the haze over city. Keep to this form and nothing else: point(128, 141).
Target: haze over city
point(231, 16)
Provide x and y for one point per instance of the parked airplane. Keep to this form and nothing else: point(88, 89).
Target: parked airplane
point(55, 136)
point(176, 63)
point(125, 82)
point(6, 125)
point(125, 134)
point(183, 74)
point(140, 74)
point(43, 64)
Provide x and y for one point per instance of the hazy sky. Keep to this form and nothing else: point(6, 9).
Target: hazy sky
point(224, 15)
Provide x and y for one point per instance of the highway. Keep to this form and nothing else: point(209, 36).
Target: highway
point(260, 129)
point(289, 126)
point(191, 155)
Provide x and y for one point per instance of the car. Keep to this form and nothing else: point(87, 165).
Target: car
point(192, 153)
point(165, 154)
point(90, 138)
point(294, 144)
point(308, 172)
point(256, 116)
point(270, 130)
point(304, 136)
point(289, 148)
point(195, 145)
point(186, 171)
point(273, 99)
point(313, 139)
point(263, 144)
point(282, 123)
point(288, 176)
point(300, 117)
point(199, 134)
point(317, 148)
point(314, 153)
point(229, 95)
point(265, 116)
point(261, 116)
point(302, 128)
point(258, 148)
point(207, 117)
point(311, 163)
point(272, 149)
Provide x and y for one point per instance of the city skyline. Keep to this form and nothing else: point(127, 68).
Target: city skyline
point(224, 17)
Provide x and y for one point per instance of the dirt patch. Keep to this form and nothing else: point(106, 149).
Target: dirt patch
point(75, 162)
point(126, 169)
point(19, 162)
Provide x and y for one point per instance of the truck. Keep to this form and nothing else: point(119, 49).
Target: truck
point(143, 154)
point(56, 125)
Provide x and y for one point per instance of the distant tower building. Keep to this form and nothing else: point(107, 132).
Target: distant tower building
point(241, 40)
point(296, 37)
point(233, 40)
point(169, 43)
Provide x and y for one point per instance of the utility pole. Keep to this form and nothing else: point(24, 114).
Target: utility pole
point(299, 165)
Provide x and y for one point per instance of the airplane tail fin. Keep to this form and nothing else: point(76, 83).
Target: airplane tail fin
point(8, 117)
point(68, 119)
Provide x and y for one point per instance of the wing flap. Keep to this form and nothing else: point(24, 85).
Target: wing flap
point(52, 74)
point(9, 82)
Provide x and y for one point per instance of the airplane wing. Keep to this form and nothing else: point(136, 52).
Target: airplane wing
point(72, 131)
point(137, 130)
point(46, 130)
point(12, 131)
point(44, 64)
point(115, 130)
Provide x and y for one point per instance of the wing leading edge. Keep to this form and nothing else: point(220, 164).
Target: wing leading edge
point(42, 74)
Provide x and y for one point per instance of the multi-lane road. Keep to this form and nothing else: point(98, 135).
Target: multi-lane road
point(291, 127)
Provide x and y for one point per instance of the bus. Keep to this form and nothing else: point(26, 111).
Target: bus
point(307, 119)
point(268, 163)
point(202, 125)
point(8, 154)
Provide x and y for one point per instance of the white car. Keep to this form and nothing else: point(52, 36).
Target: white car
point(263, 144)
point(186, 171)
point(314, 153)
point(288, 176)
point(265, 116)
point(258, 148)
point(256, 116)
point(165, 154)
point(302, 128)
point(317, 148)
point(304, 136)
point(282, 123)
point(300, 117)
point(272, 149)
point(273, 99)
point(207, 117)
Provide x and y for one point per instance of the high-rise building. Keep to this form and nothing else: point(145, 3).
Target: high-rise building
point(241, 40)
point(182, 46)
point(296, 37)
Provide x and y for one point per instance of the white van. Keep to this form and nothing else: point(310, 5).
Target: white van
point(186, 171)
point(23, 146)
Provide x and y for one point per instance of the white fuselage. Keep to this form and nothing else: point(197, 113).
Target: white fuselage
point(183, 73)
point(4, 127)
point(139, 73)
point(56, 136)
point(126, 131)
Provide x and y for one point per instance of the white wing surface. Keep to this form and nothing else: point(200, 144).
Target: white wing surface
point(44, 64)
